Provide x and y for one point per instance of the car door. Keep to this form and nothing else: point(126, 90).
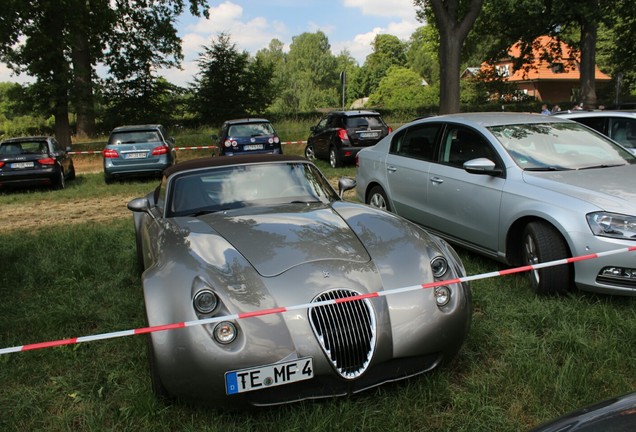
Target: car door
point(321, 136)
point(410, 155)
point(462, 206)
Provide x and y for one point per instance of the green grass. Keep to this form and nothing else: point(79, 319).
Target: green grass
point(527, 359)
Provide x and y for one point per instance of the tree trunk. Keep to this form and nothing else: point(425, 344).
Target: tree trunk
point(588, 63)
point(449, 56)
point(83, 85)
point(453, 32)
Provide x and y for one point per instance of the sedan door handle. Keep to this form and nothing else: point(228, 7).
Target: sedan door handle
point(391, 168)
point(437, 180)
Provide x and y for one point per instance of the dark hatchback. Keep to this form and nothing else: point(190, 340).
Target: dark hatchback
point(340, 135)
point(248, 136)
point(34, 161)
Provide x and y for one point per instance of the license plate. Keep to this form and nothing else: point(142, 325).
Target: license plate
point(258, 378)
point(22, 165)
point(369, 134)
point(253, 147)
point(135, 155)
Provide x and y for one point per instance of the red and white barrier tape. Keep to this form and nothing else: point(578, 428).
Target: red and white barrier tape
point(278, 310)
point(179, 148)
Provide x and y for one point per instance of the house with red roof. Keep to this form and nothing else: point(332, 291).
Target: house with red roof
point(551, 73)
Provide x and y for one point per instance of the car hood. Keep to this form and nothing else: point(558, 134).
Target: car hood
point(276, 239)
point(610, 189)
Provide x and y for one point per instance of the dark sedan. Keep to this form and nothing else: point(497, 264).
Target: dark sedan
point(35, 161)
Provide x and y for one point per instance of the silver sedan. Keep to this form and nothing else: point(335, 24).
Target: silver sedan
point(519, 188)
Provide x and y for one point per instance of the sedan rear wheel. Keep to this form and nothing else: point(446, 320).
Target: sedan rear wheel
point(309, 152)
point(377, 198)
point(543, 243)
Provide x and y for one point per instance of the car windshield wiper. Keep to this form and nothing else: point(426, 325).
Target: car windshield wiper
point(548, 168)
point(602, 166)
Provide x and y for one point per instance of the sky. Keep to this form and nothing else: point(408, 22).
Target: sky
point(252, 24)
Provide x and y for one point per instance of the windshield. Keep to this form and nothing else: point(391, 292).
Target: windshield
point(134, 137)
point(251, 130)
point(559, 146)
point(231, 187)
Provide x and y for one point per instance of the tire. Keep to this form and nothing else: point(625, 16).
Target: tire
point(377, 198)
point(541, 242)
point(60, 183)
point(108, 179)
point(309, 152)
point(159, 390)
point(335, 159)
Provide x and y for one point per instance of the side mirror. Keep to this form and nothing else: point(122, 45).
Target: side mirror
point(483, 166)
point(345, 184)
point(139, 205)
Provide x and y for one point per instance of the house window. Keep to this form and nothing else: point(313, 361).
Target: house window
point(503, 70)
point(557, 68)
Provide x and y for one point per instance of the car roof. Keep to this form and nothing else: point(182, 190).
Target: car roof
point(246, 120)
point(127, 128)
point(596, 113)
point(26, 138)
point(219, 161)
point(487, 119)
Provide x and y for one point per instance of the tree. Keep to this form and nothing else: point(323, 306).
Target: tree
point(65, 39)
point(401, 89)
point(388, 51)
point(230, 84)
point(454, 19)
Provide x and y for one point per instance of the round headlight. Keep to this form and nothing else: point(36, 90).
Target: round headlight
point(439, 265)
point(205, 301)
point(227, 143)
point(225, 332)
point(442, 295)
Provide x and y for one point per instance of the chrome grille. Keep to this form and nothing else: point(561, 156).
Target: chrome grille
point(346, 331)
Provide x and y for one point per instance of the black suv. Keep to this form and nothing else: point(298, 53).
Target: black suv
point(248, 135)
point(340, 135)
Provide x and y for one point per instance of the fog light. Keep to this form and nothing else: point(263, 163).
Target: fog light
point(225, 332)
point(205, 301)
point(439, 265)
point(442, 295)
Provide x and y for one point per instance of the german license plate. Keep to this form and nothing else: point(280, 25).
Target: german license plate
point(135, 155)
point(369, 134)
point(272, 375)
point(253, 147)
point(19, 165)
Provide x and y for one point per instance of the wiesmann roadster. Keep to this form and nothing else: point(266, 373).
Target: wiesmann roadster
point(223, 237)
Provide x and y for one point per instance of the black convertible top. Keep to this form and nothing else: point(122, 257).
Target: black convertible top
point(218, 161)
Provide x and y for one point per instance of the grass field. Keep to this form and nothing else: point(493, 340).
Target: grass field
point(526, 360)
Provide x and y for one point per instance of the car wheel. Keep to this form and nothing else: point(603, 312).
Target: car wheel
point(60, 183)
point(309, 152)
point(158, 388)
point(335, 160)
point(377, 198)
point(108, 179)
point(543, 243)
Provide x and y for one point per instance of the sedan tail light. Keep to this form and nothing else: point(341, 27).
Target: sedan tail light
point(1, 164)
point(110, 154)
point(164, 149)
point(47, 161)
point(342, 134)
point(390, 129)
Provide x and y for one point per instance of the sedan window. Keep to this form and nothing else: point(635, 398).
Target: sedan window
point(416, 142)
point(461, 145)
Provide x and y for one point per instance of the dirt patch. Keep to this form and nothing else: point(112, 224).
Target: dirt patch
point(22, 216)
point(35, 215)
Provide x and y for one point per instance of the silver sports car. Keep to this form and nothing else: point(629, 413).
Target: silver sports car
point(229, 237)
